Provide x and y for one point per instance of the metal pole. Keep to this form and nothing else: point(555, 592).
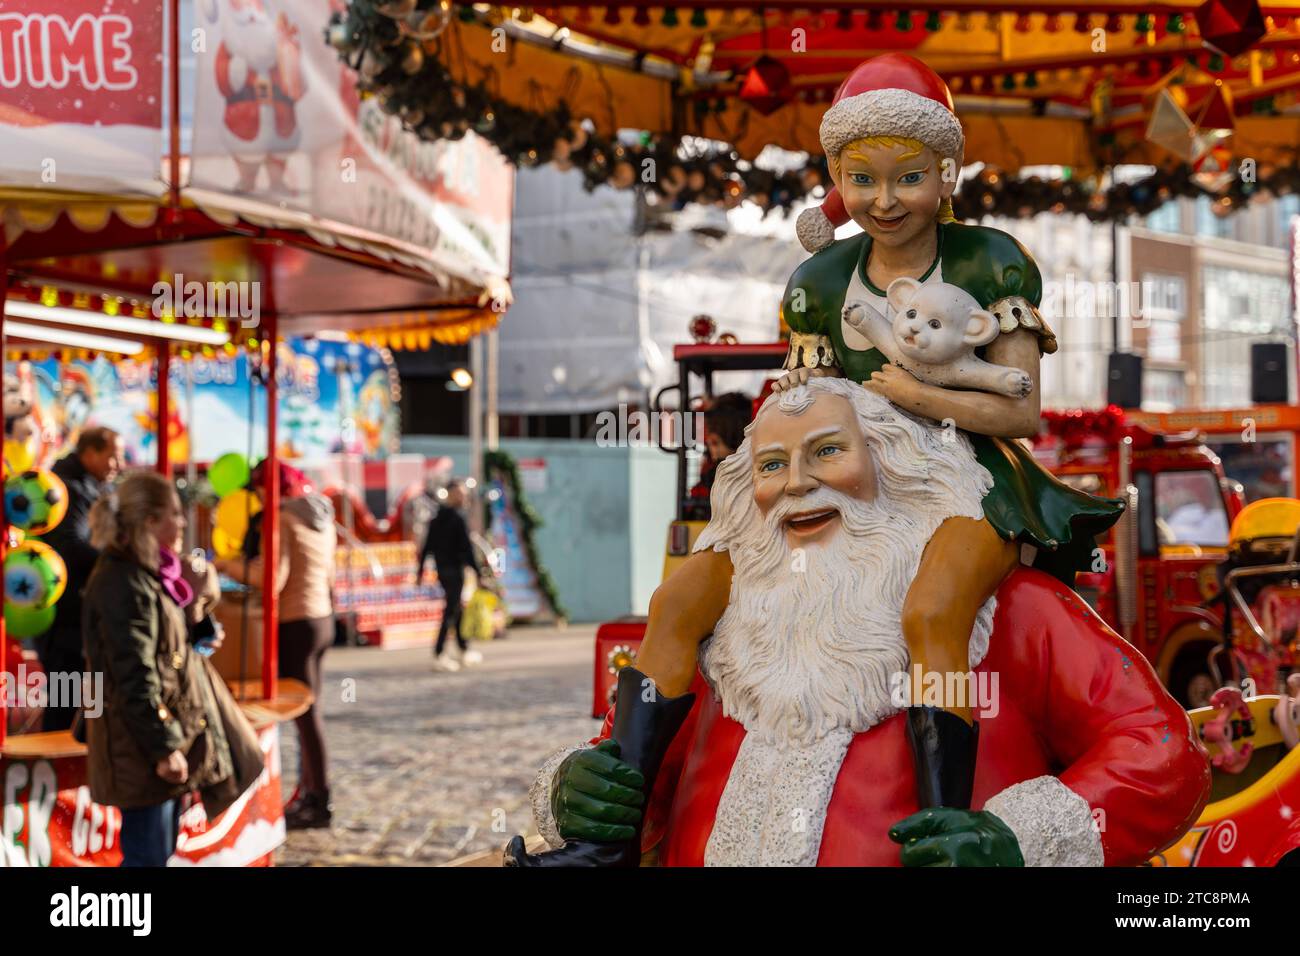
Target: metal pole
point(163, 350)
point(1114, 279)
point(1293, 330)
point(343, 371)
point(476, 428)
point(492, 426)
point(174, 97)
point(4, 522)
point(191, 467)
point(271, 488)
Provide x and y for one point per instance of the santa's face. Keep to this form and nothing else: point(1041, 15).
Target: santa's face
point(812, 636)
point(892, 191)
point(795, 457)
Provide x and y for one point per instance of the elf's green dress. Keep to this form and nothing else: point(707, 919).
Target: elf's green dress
point(1027, 504)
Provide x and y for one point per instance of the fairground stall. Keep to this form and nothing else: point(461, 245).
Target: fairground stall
point(213, 254)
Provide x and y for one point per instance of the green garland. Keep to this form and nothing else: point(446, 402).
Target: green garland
point(504, 464)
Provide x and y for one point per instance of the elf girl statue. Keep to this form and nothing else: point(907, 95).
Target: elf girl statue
point(894, 147)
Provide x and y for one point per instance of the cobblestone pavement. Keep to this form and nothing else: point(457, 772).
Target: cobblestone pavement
point(423, 763)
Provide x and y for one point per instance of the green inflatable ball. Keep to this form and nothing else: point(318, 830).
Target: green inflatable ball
point(25, 622)
point(229, 473)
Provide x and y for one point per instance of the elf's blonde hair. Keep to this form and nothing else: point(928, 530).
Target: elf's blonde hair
point(915, 147)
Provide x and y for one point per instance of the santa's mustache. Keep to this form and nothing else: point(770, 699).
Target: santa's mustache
point(856, 515)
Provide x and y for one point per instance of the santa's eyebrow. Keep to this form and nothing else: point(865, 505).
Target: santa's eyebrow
point(822, 433)
point(774, 446)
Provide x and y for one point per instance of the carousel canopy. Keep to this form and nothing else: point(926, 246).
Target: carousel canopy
point(1037, 83)
point(90, 265)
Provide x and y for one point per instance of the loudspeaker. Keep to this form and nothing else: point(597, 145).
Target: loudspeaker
point(1124, 380)
point(1269, 382)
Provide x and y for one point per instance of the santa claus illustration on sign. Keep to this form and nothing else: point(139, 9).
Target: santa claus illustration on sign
point(790, 745)
point(259, 73)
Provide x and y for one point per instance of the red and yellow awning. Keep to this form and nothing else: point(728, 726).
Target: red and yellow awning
point(1036, 83)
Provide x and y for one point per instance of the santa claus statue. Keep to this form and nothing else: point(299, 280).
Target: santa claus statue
point(259, 73)
point(791, 746)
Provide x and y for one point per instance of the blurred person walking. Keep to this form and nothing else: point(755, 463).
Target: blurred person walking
point(166, 729)
point(447, 544)
point(87, 471)
point(304, 581)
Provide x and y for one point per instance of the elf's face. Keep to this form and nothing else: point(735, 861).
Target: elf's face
point(892, 192)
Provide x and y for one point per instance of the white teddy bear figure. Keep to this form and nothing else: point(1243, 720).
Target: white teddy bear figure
point(935, 331)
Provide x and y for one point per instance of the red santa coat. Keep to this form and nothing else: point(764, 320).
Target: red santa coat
point(1076, 701)
point(243, 106)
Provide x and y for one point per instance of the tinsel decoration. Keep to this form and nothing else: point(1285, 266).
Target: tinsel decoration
point(501, 464)
point(1081, 428)
point(991, 193)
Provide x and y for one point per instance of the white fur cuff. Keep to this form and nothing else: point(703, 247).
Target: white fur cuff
point(539, 795)
point(814, 229)
point(1052, 823)
point(891, 112)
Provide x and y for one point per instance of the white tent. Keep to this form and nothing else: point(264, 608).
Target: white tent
point(598, 308)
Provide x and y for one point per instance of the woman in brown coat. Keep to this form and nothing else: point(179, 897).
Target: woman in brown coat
point(304, 580)
point(161, 733)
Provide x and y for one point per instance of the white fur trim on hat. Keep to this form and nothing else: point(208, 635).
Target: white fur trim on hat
point(814, 229)
point(891, 112)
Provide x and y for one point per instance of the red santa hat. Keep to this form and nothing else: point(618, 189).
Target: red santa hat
point(889, 95)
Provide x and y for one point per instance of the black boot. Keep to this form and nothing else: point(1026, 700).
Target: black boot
point(644, 730)
point(943, 752)
point(309, 811)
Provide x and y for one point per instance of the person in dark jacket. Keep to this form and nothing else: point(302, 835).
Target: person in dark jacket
point(725, 421)
point(447, 544)
point(86, 471)
point(161, 733)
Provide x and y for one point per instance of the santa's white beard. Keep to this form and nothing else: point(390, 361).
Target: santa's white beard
point(809, 649)
point(255, 40)
point(811, 641)
point(806, 653)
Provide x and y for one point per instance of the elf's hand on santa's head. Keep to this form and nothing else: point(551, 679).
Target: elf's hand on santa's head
point(942, 836)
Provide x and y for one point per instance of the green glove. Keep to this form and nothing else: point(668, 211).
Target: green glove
point(595, 796)
point(942, 836)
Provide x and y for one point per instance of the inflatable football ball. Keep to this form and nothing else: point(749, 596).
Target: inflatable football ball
point(35, 576)
point(25, 622)
point(35, 501)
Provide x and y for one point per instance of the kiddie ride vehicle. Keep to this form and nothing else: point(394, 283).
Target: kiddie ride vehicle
point(1251, 819)
point(1153, 574)
point(1158, 568)
point(617, 642)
